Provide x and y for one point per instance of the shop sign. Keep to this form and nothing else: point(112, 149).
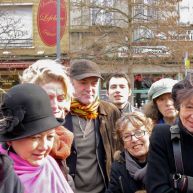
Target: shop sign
point(7, 83)
point(139, 51)
point(14, 65)
point(47, 20)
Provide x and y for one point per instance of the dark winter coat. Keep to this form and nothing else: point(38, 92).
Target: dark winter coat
point(64, 168)
point(128, 108)
point(161, 162)
point(9, 182)
point(120, 179)
point(105, 143)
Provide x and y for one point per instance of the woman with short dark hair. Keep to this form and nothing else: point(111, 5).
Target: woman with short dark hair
point(162, 164)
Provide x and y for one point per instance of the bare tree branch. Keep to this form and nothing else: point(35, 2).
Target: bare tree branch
point(144, 31)
point(10, 28)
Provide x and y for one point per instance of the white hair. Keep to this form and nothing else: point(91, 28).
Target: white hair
point(45, 70)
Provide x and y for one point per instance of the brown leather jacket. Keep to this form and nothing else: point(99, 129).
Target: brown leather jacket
point(107, 116)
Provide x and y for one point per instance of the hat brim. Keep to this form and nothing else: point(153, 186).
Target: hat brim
point(161, 92)
point(86, 75)
point(31, 128)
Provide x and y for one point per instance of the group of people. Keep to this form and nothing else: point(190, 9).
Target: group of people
point(57, 136)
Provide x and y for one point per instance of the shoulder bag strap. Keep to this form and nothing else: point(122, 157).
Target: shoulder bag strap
point(175, 137)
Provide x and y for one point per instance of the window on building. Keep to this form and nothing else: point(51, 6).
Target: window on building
point(16, 25)
point(139, 13)
point(102, 14)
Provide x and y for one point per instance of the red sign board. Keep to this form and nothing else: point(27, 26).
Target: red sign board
point(47, 20)
point(15, 65)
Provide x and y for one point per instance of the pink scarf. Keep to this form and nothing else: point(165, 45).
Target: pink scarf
point(46, 178)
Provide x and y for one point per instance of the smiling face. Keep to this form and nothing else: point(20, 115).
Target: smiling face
point(186, 114)
point(35, 148)
point(166, 107)
point(136, 141)
point(118, 91)
point(60, 103)
point(86, 90)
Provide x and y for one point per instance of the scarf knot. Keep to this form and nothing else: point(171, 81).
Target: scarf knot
point(85, 111)
point(135, 170)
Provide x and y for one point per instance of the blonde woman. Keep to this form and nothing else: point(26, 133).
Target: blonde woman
point(53, 78)
point(129, 168)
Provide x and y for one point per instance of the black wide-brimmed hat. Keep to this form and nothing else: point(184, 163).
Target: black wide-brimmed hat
point(27, 110)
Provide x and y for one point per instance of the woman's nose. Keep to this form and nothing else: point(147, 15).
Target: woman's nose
point(170, 101)
point(134, 138)
point(43, 146)
point(54, 103)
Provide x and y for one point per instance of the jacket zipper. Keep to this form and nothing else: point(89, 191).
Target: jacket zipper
point(101, 169)
point(120, 182)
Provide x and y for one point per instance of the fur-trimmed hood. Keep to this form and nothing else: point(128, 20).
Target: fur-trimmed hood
point(119, 156)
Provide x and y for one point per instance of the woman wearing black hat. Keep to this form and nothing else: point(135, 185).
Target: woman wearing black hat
point(52, 77)
point(170, 154)
point(27, 129)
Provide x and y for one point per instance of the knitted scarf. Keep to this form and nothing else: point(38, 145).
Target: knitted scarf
point(135, 170)
point(85, 111)
point(46, 178)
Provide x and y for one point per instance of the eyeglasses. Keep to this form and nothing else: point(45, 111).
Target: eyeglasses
point(138, 134)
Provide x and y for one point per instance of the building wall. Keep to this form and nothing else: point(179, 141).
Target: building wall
point(38, 46)
point(14, 59)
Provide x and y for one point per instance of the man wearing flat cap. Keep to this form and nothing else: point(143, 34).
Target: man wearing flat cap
point(93, 123)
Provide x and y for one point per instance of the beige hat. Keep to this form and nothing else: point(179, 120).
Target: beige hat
point(160, 87)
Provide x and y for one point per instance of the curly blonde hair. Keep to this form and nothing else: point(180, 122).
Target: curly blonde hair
point(47, 70)
point(137, 119)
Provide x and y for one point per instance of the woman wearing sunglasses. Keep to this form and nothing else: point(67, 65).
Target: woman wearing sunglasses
point(129, 168)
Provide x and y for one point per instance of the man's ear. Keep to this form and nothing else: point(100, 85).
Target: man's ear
point(107, 93)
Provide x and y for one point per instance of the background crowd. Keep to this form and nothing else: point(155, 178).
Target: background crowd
point(58, 136)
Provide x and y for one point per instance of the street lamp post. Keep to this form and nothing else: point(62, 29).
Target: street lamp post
point(58, 51)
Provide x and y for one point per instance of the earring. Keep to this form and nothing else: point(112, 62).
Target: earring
point(8, 149)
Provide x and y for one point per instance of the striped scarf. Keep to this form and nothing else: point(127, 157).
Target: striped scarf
point(85, 111)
